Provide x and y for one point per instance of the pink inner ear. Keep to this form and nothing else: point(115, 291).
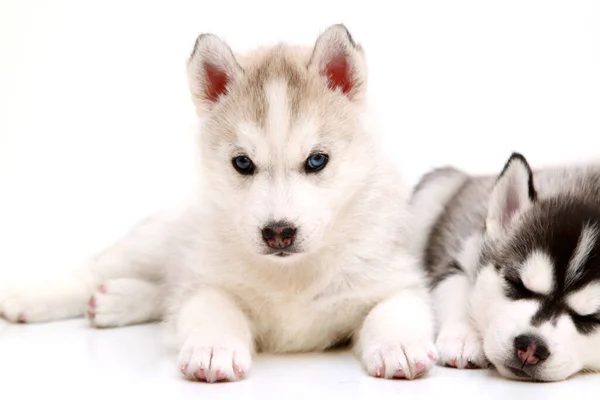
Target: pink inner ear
point(338, 73)
point(510, 207)
point(216, 81)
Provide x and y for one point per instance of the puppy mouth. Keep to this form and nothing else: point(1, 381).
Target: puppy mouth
point(525, 374)
point(281, 253)
point(518, 372)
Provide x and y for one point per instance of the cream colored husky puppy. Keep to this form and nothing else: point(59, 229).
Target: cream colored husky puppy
point(298, 240)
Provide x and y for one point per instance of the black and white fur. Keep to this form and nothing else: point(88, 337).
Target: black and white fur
point(514, 266)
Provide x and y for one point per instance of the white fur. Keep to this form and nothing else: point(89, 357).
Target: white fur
point(585, 301)
point(458, 342)
point(215, 335)
point(125, 301)
point(388, 347)
point(536, 273)
point(278, 118)
point(44, 302)
point(203, 268)
point(469, 255)
point(585, 244)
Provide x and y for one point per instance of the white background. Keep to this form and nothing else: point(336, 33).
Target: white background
point(95, 133)
point(95, 116)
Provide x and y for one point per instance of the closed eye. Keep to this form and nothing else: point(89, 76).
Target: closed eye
point(586, 323)
point(516, 290)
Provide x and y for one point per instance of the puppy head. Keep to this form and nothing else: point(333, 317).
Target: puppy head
point(536, 301)
point(283, 146)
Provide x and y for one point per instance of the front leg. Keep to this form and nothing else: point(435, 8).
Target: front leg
point(458, 343)
point(396, 339)
point(216, 337)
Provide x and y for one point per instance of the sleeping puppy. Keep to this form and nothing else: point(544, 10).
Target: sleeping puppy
point(514, 265)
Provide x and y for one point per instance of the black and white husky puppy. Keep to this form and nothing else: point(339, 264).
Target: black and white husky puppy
point(514, 265)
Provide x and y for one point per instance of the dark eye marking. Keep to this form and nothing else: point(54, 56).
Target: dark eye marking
point(585, 324)
point(516, 290)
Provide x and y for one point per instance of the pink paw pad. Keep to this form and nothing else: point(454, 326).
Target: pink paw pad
point(432, 356)
point(399, 374)
point(220, 376)
point(92, 302)
point(90, 315)
point(451, 363)
point(200, 375)
point(21, 319)
point(420, 369)
point(102, 289)
point(378, 372)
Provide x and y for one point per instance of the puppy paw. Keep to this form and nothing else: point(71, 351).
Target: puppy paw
point(42, 303)
point(120, 302)
point(209, 360)
point(404, 360)
point(460, 347)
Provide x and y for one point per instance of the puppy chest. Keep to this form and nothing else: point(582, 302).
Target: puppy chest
point(295, 325)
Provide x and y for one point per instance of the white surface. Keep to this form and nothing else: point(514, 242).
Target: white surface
point(94, 134)
point(68, 360)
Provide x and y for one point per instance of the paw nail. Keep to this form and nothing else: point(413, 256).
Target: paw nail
point(431, 356)
point(378, 372)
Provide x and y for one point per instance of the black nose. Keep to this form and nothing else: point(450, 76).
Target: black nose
point(279, 235)
point(531, 349)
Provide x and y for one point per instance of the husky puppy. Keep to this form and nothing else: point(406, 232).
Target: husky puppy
point(514, 263)
point(299, 238)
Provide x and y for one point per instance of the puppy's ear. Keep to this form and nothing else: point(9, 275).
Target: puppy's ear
point(340, 62)
point(212, 68)
point(514, 192)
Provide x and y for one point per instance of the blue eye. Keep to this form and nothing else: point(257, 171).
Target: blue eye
point(243, 165)
point(316, 162)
